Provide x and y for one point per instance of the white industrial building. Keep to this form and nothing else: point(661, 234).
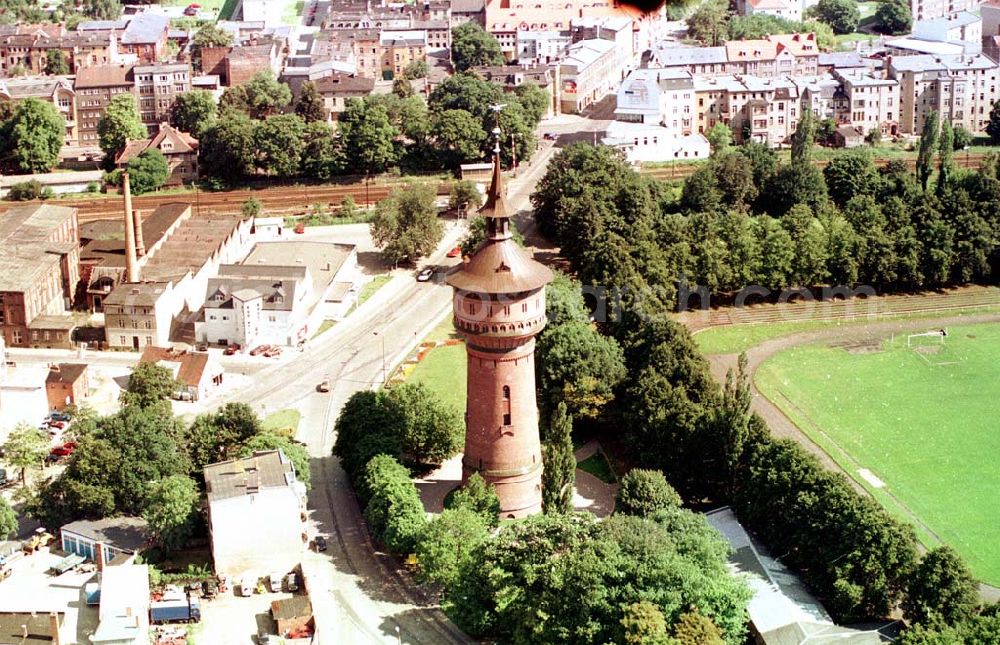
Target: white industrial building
point(254, 514)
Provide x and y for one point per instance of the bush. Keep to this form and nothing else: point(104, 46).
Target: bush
point(643, 492)
point(478, 497)
point(113, 178)
point(24, 191)
point(93, 187)
point(393, 510)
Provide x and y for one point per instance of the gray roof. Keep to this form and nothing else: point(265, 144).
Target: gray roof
point(125, 533)
point(675, 56)
point(100, 25)
point(143, 294)
point(929, 63)
point(323, 259)
point(468, 6)
point(25, 252)
point(145, 28)
point(238, 477)
point(840, 59)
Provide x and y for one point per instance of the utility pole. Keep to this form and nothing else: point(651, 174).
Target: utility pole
point(513, 152)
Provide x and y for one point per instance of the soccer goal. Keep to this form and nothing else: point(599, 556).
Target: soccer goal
point(930, 346)
point(927, 339)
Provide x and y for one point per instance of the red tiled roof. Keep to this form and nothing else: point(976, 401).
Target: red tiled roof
point(103, 76)
point(192, 363)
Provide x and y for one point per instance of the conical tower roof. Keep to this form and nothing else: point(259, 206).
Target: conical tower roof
point(499, 265)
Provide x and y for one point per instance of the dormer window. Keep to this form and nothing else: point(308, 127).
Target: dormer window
point(219, 296)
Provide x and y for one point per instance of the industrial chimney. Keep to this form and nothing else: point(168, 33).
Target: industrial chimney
point(140, 245)
point(131, 264)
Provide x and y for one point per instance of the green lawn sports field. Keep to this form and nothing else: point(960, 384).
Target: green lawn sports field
point(925, 422)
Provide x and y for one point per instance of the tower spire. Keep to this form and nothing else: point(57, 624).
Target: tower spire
point(496, 210)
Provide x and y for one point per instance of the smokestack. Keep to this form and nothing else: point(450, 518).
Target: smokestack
point(131, 264)
point(99, 555)
point(140, 245)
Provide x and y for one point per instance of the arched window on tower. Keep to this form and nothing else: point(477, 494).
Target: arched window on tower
point(506, 405)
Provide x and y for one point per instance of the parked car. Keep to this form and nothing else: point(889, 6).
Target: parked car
point(324, 385)
point(231, 349)
point(183, 395)
point(272, 351)
point(259, 349)
point(274, 582)
point(52, 423)
point(319, 542)
point(455, 252)
point(201, 347)
point(246, 586)
point(65, 450)
point(192, 10)
point(425, 275)
point(549, 136)
point(60, 416)
point(209, 588)
point(291, 582)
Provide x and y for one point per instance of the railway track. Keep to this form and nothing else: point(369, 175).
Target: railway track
point(681, 171)
point(278, 200)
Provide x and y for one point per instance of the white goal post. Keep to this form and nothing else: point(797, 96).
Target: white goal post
point(935, 337)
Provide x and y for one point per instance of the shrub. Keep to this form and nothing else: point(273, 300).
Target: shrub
point(25, 191)
point(643, 492)
point(393, 510)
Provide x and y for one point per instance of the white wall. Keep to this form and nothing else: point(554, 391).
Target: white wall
point(259, 533)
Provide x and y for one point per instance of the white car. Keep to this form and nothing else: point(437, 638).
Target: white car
point(425, 275)
point(246, 586)
point(275, 582)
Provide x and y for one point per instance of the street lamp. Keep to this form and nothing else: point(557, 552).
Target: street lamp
point(382, 338)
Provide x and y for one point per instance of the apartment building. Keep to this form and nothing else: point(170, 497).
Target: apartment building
point(872, 101)
point(336, 89)
point(961, 89)
point(365, 45)
point(961, 26)
point(157, 86)
point(825, 96)
point(28, 46)
point(541, 47)
point(930, 9)
point(759, 109)
point(397, 49)
point(786, 9)
point(773, 56)
point(664, 97)
point(57, 90)
point(591, 70)
point(146, 37)
point(95, 87)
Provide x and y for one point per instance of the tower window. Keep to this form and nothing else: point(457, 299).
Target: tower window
point(506, 405)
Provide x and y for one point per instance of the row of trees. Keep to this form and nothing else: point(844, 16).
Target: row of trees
point(143, 461)
point(673, 416)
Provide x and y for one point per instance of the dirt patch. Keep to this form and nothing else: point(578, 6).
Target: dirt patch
point(859, 345)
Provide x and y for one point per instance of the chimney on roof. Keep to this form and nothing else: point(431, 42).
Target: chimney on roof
point(140, 245)
point(131, 263)
point(99, 556)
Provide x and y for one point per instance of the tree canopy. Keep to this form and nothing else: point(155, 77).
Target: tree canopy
point(405, 226)
point(147, 171)
point(193, 112)
point(33, 136)
point(120, 123)
point(473, 46)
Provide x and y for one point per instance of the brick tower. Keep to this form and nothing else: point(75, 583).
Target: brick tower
point(499, 307)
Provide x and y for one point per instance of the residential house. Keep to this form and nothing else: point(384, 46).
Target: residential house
point(279, 295)
point(617, 29)
point(364, 45)
point(873, 100)
point(541, 47)
point(57, 90)
point(29, 46)
point(956, 27)
point(848, 136)
point(39, 271)
point(930, 9)
point(157, 86)
point(785, 9)
point(124, 606)
point(702, 61)
point(95, 86)
point(510, 77)
point(106, 541)
point(399, 48)
point(242, 63)
point(662, 97)
point(591, 70)
point(961, 89)
point(336, 89)
point(255, 501)
point(463, 11)
point(761, 109)
point(824, 95)
point(146, 36)
point(179, 148)
point(197, 373)
point(647, 142)
point(772, 56)
point(66, 384)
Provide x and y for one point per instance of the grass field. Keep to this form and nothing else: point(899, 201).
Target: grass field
point(371, 287)
point(922, 423)
point(287, 418)
point(598, 466)
point(443, 371)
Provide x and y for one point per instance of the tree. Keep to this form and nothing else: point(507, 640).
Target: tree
point(148, 386)
point(447, 544)
point(478, 497)
point(894, 17)
point(209, 35)
point(259, 97)
point(464, 195)
point(8, 520)
point(708, 23)
point(56, 63)
point(941, 590)
point(36, 134)
point(472, 46)
point(251, 208)
point(171, 509)
point(802, 138)
point(103, 9)
point(310, 104)
point(367, 426)
point(946, 155)
point(393, 508)
point(558, 463)
point(928, 145)
point(221, 435)
point(26, 448)
point(369, 136)
point(644, 492)
point(993, 127)
point(579, 366)
point(278, 140)
point(720, 136)
point(402, 88)
point(433, 430)
point(323, 155)
point(120, 123)
point(842, 15)
point(534, 100)
point(458, 137)
point(874, 137)
point(695, 629)
point(644, 624)
point(147, 171)
point(228, 147)
point(962, 137)
point(416, 69)
point(405, 225)
point(193, 112)
point(849, 174)
point(796, 183)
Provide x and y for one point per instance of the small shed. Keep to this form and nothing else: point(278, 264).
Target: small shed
point(477, 171)
point(847, 136)
point(293, 614)
point(66, 384)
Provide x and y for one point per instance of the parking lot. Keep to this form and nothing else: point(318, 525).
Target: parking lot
point(30, 588)
point(229, 619)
